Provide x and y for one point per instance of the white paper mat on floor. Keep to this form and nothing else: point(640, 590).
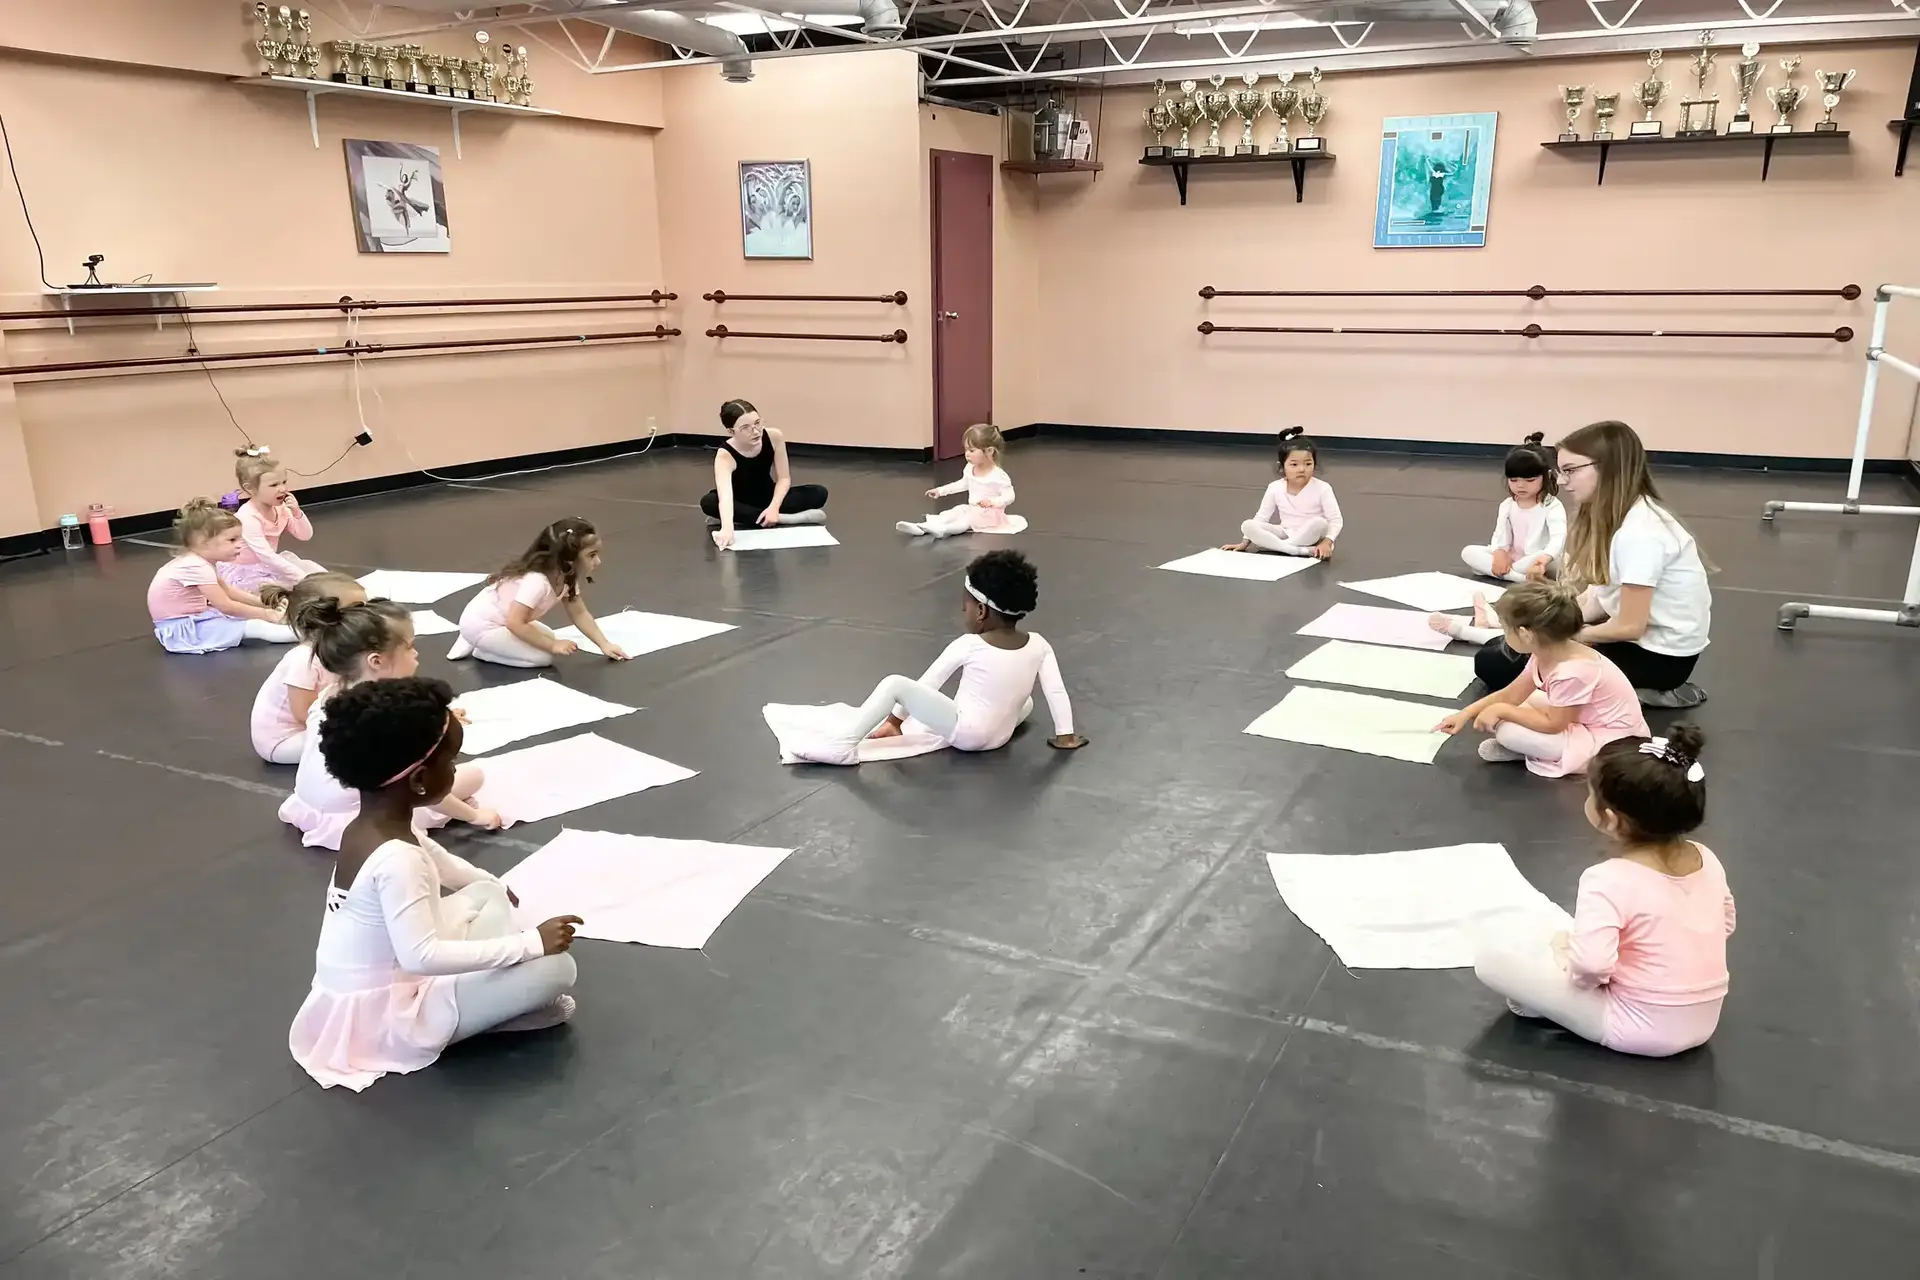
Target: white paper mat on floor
point(1416, 909)
point(799, 728)
point(1370, 624)
point(1434, 592)
point(787, 535)
point(1355, 722)
point(553, 778)
point(662, 893)
point(1378, 666)
point(428, 623)
point(639, 633)
point(509, 712)
point(417, 588)
point(1250, 566)
point(1014, 524)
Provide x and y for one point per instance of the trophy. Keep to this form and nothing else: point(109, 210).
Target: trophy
point(522, 78)
point(484, 68)
point(1833, 82)
point(368, 73)
point(265, 45)
point(1786, 96)
point(1746, 74)
point(457, 82)
point(1648, 93)
point(1604, 105)
point(1159, 118)
point(342, 60)
point(1186, 114)
point(436, 74)
point(1572, 95)
point(289, 50)
point(304, 60)
point(1697, 113)
point(1249, 103)
point(1283, 101)
point(1216, 104)
point(1313, 109)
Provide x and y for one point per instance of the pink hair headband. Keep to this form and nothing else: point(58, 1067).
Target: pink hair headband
point(417, 764)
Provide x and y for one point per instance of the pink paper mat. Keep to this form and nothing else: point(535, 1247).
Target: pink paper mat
point(1370, 624)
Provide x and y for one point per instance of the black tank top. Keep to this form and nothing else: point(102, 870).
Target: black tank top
point(752, 477)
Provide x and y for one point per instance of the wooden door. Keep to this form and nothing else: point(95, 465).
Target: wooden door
point(962, 297)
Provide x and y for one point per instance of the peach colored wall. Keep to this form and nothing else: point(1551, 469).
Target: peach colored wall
point(189, 177)
point(855, 118)
point(1122, 261)
point(1016, 262)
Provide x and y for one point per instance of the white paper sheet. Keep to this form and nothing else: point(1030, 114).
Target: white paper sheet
point(1370, 624)
point(1252, 567)
point(1416, 909)
point(1355, 722)
point(798, 727)
point(1375, 666)
point(639, 633)
point(1434, 592)
point(428, 623)
point(509, 712)
point(783, 537)
point(558, 777)
point(409, 587)
point(662, 893)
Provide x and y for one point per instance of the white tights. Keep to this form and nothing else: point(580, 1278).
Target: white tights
point(1531, 743)
point(509, 650)
point(270, 633)
point(1272, 537)
point(488, 997)
point(285, 751)
point(1480, 560)
point(929, 706)
point(1515, 957)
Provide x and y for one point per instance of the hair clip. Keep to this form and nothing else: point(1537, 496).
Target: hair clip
point(1658, 747)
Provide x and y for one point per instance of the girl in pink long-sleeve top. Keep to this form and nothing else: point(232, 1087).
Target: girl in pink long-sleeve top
point(1298, 516)
point(270, 511)
point(1642, 968)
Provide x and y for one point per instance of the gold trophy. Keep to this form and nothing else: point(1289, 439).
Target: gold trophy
point(368, 73)
point(1159, 118)
point(1697, 113)
point(1746, 74)
point(526, 78)
point(342, 60)
point(1248, 103)
point(1283, 101)
point(1313, 109)
point(1572, 95)
point(436, 74)
point(457, 82)
point(484, 72)
point(289, 50)
point(1604, 105)
point(309, 51)
point(1216, 104)
point(1832, 82)
point(265, 45)
point(390, 67)
point(1648, 93)
point(1786, 96)
point(1186, 114)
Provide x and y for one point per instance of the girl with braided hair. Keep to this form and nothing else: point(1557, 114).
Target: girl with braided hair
point(502, 624)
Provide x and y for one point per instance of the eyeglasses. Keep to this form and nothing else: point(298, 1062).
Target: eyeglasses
point(1566, 473)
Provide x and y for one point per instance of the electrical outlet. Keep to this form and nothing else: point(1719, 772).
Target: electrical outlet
point(364, 438)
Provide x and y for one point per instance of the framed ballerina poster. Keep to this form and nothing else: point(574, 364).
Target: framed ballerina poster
point(1436, 181)
point(776, 209)
point(399, 197)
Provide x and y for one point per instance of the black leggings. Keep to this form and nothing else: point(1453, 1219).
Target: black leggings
point(801, 497)
point(1498, 666)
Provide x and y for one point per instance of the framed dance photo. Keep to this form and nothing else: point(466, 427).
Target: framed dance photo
point(399, 197)
point(1436, 181)
point(776, 209)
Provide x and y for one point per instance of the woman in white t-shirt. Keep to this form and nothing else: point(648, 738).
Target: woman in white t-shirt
point(1645, 596)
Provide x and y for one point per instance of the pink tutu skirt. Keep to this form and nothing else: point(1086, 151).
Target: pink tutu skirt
point(321, 828)
point(352, 1038)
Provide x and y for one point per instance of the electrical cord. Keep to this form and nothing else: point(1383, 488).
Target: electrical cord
point(193, 349)
point(308, 475)
point(24, 211)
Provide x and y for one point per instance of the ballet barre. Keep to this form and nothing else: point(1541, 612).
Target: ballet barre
point(898, 335)
point(1908, 614)
point(659, 331)
point(1536, 292)
point(898, 297)
point(346, 304)
point(1842, 334)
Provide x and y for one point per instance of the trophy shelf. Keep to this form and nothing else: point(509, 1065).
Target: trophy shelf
point(1906, 135)
point(1767, 141)
point(1298, 159)
point(1051, 166)
point(315, 89)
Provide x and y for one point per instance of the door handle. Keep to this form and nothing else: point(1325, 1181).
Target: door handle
point(949, 315)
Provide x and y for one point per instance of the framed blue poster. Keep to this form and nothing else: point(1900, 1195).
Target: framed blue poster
point(1436, 180)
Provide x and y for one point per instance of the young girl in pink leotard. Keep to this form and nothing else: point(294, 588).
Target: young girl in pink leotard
point(269, 511)
point(1642, 966)
point(287, 696)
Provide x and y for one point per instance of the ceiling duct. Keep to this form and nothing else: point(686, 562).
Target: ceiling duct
point(1513, 22)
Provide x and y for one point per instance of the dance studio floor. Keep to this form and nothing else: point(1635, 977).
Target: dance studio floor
point(1023, 1015)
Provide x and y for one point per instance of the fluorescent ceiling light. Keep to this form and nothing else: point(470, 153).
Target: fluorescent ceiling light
point(752, 24)
point(1278, 22)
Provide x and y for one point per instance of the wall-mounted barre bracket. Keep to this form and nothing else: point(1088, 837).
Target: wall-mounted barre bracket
point(898, 335)
point(1842, 334)
point(1536, 292)
point(897, 298)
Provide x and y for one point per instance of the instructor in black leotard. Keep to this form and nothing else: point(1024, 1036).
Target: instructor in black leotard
point(751, 483)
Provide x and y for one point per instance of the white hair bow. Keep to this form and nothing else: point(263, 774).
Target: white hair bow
point(1659, 747)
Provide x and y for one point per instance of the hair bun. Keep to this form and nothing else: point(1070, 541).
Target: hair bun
point(243, 453)
point(1685, 741)
point(1293, 432)
point(1538, 437)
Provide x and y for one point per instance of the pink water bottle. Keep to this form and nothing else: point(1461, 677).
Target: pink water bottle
point(98, 522)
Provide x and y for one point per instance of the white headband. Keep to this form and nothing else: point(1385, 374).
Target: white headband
point(1659, 747)
point(981, 596)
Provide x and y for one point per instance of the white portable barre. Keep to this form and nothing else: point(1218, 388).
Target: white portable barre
point(1908, 614)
